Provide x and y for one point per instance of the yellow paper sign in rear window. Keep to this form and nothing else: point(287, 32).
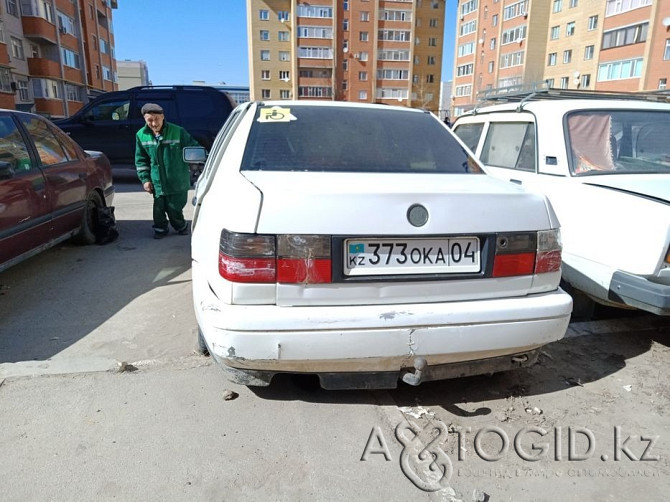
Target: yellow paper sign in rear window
point(276, 114)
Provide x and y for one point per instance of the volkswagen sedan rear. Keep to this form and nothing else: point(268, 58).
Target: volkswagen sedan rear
point(363, 244)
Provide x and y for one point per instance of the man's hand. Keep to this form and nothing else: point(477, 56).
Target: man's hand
point(149, 187)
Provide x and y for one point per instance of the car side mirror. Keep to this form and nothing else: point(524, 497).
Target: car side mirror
point(194, 155)
point(6, 170)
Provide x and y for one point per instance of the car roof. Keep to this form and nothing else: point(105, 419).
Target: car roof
point(338, 104)
point(566, 105)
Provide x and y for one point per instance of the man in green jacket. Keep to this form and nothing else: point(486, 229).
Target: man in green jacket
point(161, 169)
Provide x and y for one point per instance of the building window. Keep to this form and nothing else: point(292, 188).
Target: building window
point(625, 36)
point(315, 92)
point(73, 92)
point(70, 58)
point(107, 73)
point(363, 36)
point(619, 6)
point(550, 83)
point(284, 56)
point(431, 60)
point(265, 93)
point(345, 25)
point(593, 23)
point(567, 56)
point(362, 95)
point(511, 59)
point(345, 65)
point(17, 48)
point(395, 35)
point(466, 49)
point(432, 42)
point(552, 59)
point(345, 85)
point(283, 15)
point(565, 81)
point(417, 60)
point(315, 52)
point(315, 32)
point(430, 78)
point(285, 94)
point(284, 75)
point(585, 81)
point(464, 90)
point(46, 88)
point(662, 83)
point(12, 7)
point(362, 76)
point(365, 16)
point(263, 15)
point(66, 24)
point(22, 88)
point(433, 23)
point(555, 32)
point(467, 28)
point(493, 43)
point(494, 20)
point(558, 5)
point(363, 55)
point(346, 5)
point(265, 74)
point(469, 6)
point(391, 74)
point(5, 80)
point(305, 10)
point(618, 70)
point(464, 70)
point(570, 29)
point(265, 55)
point(514, 35)
point(573, 3)
point(283, 36)
point(666, 54)
point(589, 50)
point(515, 10)
point(265, 35)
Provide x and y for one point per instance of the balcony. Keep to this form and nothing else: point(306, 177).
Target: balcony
point(39, 29)
point(40, 67)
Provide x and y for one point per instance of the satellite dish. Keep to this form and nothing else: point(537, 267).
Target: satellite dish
point(345, 50)
point(576, 74)
point(666, 21)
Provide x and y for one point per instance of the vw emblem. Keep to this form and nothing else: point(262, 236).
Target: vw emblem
point(417, 215)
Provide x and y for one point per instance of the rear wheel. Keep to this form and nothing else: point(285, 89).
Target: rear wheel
point(89, 220)
point(202, 345)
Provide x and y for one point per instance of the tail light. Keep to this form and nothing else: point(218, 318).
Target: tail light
point(293, 259)
point(527, 253)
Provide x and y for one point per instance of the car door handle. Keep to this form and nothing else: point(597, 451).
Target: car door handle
point(518, 182)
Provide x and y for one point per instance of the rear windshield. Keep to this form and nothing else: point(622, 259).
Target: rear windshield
point(330, 138)
point(619, 142)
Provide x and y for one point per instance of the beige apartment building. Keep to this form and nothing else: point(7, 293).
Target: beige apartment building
point(514, 45)
point(373, 51)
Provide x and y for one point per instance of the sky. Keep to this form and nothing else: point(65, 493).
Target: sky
point(205, 41)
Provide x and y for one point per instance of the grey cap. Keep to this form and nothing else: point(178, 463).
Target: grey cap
point(151, 108)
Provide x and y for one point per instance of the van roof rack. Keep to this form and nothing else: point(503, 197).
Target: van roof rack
point(549, 93)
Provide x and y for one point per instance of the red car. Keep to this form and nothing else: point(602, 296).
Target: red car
point(50, 188)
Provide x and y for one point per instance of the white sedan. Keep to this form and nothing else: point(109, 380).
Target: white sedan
point(364, 244)
point(605, 166)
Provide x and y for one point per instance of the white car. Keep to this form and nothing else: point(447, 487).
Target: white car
point(605, 166)
point(363, 244)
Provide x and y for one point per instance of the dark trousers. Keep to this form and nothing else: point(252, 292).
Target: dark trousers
point(169, 208)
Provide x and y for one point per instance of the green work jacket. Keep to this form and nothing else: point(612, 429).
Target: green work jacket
point(160, 160)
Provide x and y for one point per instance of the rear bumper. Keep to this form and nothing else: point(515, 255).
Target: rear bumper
point(639, 292)
point(377, 338)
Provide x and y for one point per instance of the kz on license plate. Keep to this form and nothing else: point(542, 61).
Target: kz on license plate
point(411, 256)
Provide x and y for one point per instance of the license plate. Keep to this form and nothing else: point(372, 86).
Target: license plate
point(411, 256)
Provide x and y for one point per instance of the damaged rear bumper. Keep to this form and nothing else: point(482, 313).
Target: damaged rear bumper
point(455, 339)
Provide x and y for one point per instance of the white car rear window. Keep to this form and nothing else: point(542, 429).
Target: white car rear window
point(331, 138)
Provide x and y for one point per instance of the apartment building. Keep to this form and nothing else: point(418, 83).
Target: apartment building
point(54, 54)
point(608, 45)
point(374, 51)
